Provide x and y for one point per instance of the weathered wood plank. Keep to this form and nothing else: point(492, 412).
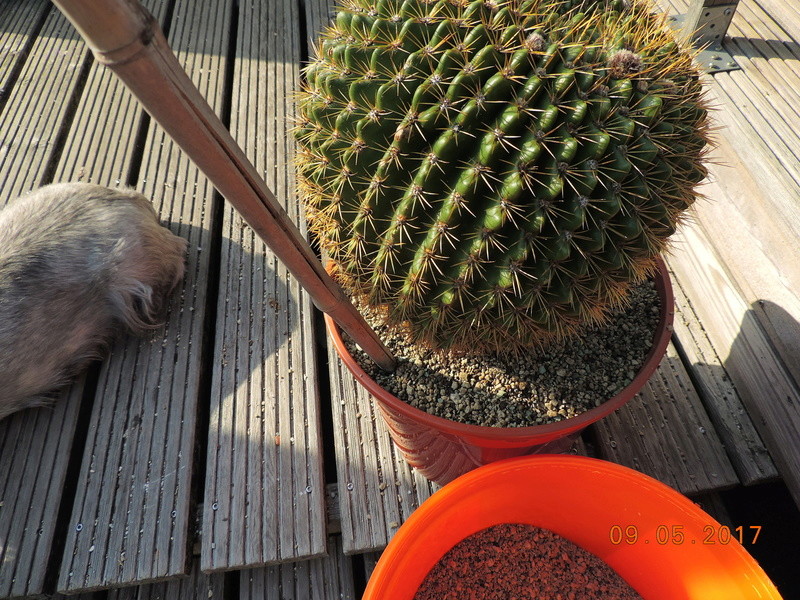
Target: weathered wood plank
point(582, 447)
point(773, 140)
point(753, 217)
point(333, 509)
point(766, 123)
point(35, 444)
point(378, 490)
point(264, 498)
point(370, 561)
point(327, 578)
point(770, 171)
point(197, 586)
point(38, 104)
point(755, 231)
point(749, 231)
point(742, 442)
point(665, 432)
point(19, 23)
point(775, 39)
point(99, 146)
point(133, 499)
point(762, 381)
point(785, 15)
point(762, 250)
point(764, 80)
point(86, 596)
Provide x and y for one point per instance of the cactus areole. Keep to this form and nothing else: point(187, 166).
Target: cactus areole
point(496, 174)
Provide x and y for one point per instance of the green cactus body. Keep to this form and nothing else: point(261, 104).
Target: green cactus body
point(494, 174)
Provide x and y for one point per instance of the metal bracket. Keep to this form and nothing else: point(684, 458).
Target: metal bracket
point(712, 23)
point(708, 34)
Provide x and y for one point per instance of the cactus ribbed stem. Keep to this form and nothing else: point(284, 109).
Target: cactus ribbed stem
point(497, 173)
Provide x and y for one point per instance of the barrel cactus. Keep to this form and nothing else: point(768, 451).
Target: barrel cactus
point(493, 174)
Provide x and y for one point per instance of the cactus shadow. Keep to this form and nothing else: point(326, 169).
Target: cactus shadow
point(764, 366)
point(758, 367)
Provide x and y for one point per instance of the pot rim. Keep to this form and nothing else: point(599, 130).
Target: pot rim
point(661, 339)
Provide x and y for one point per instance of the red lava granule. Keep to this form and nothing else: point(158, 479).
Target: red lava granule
point(520, 562)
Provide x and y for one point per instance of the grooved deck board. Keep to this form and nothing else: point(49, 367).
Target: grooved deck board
point(34, 444)
point(133, 499)
point(743, 444)
point(197, 586)
point(38, 105)
point(761, 252)
point(265, 495)
point(784, 15)
point(762, 107)
point(18, 25)
point(740, 265)
point(378, 490)
point(326, 578)
point(34, 449)
point(665, 432)
point(100, 141)
point(754, 185)
point(767, 390)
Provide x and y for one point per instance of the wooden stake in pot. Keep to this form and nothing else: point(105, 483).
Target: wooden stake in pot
point(126, 38)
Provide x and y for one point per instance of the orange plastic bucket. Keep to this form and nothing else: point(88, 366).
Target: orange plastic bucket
point(659, 541)
point(442, 450)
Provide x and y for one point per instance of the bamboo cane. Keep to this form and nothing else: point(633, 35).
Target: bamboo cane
point(126, 38)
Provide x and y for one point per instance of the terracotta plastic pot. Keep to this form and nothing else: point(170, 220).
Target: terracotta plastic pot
point(442, 449)
point(659, 541)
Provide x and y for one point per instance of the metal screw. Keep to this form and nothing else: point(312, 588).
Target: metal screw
point(308, 489)
point(79, 527)
point(350, 486)
point(214, 506)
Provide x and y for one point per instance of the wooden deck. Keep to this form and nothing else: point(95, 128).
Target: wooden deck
point(233, 440)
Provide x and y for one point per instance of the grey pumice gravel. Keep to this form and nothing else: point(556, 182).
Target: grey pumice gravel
point(548, 385)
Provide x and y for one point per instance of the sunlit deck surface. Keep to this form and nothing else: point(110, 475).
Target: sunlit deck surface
point(230, 455)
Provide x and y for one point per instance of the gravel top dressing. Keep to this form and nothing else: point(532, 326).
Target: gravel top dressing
point(548, 385)
point(524, 563)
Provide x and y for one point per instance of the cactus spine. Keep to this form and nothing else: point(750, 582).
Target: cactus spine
point(495, 174)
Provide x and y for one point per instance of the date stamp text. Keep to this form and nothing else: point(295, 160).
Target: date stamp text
point(676, 535)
